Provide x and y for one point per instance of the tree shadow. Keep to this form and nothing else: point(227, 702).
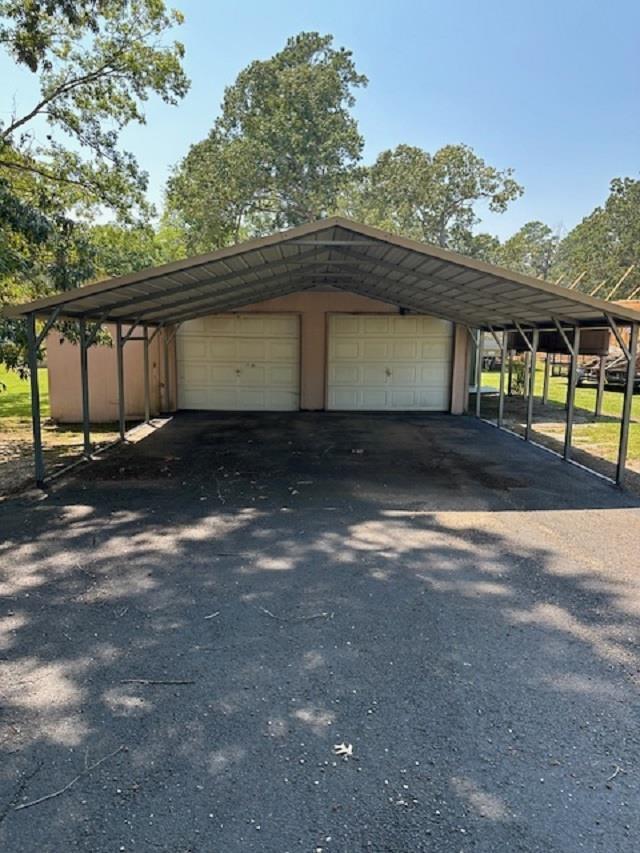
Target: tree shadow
point(484, 672)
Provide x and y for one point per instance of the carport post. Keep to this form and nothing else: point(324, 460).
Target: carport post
point(571, 391)
point(120, 367)
point(503, 366)
point(601, 381)
point(479, 348)
point(165, 338)
point(532, 382)
point(626, 406)
point(545, 384)
point(527, 375)
point(147, 408)
point(84, 381)
point(510, 380)
point(32, 355)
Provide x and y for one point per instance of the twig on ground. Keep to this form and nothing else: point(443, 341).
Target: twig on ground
point(154, 681)
point(70, 784)
point(323, 615)
point(213, 615)
point(616, 772)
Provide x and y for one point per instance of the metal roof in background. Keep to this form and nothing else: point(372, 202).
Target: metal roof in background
point(331, 253)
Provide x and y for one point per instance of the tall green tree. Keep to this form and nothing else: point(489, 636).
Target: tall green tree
point(430, 197)
point(532, 250)
point(96, 62)
point(282, 149)
point(607, 242)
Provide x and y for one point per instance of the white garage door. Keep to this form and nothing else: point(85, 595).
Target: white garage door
point(235, 362)
point(379, 362)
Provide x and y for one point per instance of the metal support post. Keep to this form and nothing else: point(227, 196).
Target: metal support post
point(84, 381)
point(120, 368)
point(626, 406)
point(532, 383)
point(571, 392)
point(166, 369)
point(479, 350)
point(147, 406)
point(601, 381)
point(510, 379)
point(527, 375)
point(32, 346)
point(545, 384)
point(503, 367)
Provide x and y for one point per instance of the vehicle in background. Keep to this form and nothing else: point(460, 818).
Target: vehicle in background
point(616, 373)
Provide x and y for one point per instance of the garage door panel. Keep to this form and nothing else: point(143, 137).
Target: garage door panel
point(376, 349)
point(373, 325)
point(195, 348)
point(344, 374)
point(437, 349)
point(389, 362)
point(213, 325)
point(407, 375)
point(344, 350)
point(404, 350)
point(282, 376)
point(252, 349)
point(239, 362)
point(284, 350)
point(222, 349)
point(434, 374)
point(346, 324)
point(221, 374)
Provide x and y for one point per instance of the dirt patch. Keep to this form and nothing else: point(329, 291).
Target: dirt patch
point(62, 445)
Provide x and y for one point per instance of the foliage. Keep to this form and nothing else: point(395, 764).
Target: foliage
point(606, 242)
point(97, 62)
point(484, 247)
point(431, 197)
point(281, 151)
point(531, 250)
point(118, 250)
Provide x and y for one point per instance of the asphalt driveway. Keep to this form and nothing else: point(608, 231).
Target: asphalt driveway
point(191, 624)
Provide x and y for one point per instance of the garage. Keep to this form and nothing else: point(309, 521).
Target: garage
point(239, 362)
point(389, 363)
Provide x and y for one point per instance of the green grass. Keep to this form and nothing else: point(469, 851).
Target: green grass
point(585, 398)
point(15, 395)
point(599, 437)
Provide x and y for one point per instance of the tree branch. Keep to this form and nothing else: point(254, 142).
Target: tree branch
point(58, 92)
point(36, 170)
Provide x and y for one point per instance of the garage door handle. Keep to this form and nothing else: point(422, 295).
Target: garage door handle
point(388, 371)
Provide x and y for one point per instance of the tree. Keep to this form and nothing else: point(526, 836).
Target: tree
point(97, 62)
point(280, 152)
point(118, 250)
point(484, 247)
point(431, 197)
point(531, 250)
point(607, 242)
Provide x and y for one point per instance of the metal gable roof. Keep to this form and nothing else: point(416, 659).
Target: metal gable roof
point(340, 254)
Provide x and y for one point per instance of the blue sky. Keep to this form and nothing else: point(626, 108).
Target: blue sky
point(548, 88)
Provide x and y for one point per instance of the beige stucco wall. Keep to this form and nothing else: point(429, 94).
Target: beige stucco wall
point(63, 361)
point(65, 394)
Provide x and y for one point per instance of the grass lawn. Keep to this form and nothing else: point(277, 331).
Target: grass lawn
point(15, 396)
point(61, 443)
point(597, 436)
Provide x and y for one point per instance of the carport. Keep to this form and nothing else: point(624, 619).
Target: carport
point(346, 257)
